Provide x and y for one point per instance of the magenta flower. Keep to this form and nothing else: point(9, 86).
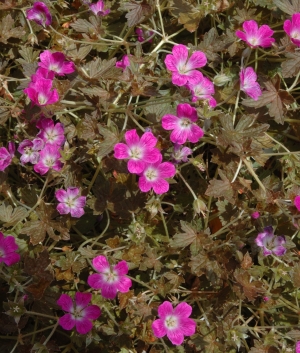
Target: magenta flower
point(50, 133)
point(30, 150)
point(183, 125)
point(80, 314)
point(40, 92)
point(8, 248)
point(70, 202)
point(292, 28)
point(203, 89)
point(42, 73)
point(183, 68)
point(98, 8)
point(49, 159)
point(271, 243)
point(248, 83)
point(140, 152)
point(109, 280)
point(40, 14)
point(298, 347)
point(254, 36)
point(154, 176)
point(123, 63)
point(6, 155)
point(255, 215)
point(175, 323)
point(180, 153)
point(143, 35)
point(296, 200)
point(56, 62)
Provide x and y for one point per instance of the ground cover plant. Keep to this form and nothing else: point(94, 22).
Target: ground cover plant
point(149, 176)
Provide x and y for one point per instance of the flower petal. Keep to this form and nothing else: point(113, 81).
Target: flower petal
point(61, 195)
point(197, 59)
point(183, 310)
point(95, 281)
point(175, 336)
point(121, 268)
point(100, 263)
point(82, 299)
point(67, 322)
point(83, 325)
point(165, 309)
point(169, 121)
point(132, 138)
point(66, 302)
point(124, 284)
point(148, 140)
point(121, 151)
point(91, 312)
point(159, 328)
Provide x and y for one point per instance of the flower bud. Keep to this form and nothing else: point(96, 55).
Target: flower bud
point(221, 79)
point(199, 207)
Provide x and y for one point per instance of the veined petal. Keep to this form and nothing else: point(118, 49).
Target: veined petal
point(148, 140)
point(187, 111)
point(188, 326)
point(265, 31)
point(144, 184)
point(241, 35)
point(124, 284)
point(279, 250)
point(175, 336)
point(169, 121)
point(166, 170)
point(63, 208)
point(66, 303)
point(197, 59)
point(11, 258)
point(121, 268)
point(159, 328)
point(151, 155)
point(100, 263)
point(61, 195)
point(91, 312)
point(179, 135)
point(160, 186)
point(165, 309)
point(80, 202)
point(77, 212)
point(72, 192)
point(82, 299)
point(96, 281)
point(67, 322)
point(121, 151)
point(83, 325)
point(183, 310)
point(194, 76)
point(297, 202)
point(250, 27)
point(195, 133)
point(171, 62)
point(9, 244)
point(287, 26)
point(109, 291)
point(136, 166)
point(131, 137)
point(180, 53)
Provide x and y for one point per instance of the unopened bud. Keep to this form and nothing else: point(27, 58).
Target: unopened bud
point(221, 79)
point(199, 207)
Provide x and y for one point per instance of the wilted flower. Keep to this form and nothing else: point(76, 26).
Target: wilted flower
point(183, 125)
point(56, 62)
point(70, 202)
point(143, 35)
point(30, 150)
point(154, 176)
point(271, 243)
point(248, 83)
point(254, 36)
point(8, 248)
point(183, 68)
point(98, 8)
point(50, 133)
point(80, 314)
point(202, 89)
point(181, 153)
point(292, 28)
point(175, 323)
point(40, 92)
point(109, 280)
point(6, 155)
point(40, 14)
point(123, 63)
point(140, 152)
point(49, 159)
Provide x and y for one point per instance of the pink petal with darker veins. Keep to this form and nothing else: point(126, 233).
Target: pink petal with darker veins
point(297, 202)
point(62, 208)
point(66, 302)
point(100, 263)
point(121, 151)
point(160, 186)
point(165, 309)
point(159, 328)
point(67, 322)
point(83, 325)
point(131, 137)
point(121, 268)
point(91, 312)
point(96, 281)
point(61, 195)
point(124, 284)
point(82, 299)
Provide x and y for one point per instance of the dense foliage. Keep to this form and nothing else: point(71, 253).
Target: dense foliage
point(149, 183)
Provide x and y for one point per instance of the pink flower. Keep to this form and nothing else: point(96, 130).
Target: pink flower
point(8, 248)
point(298, 347)
point(140, 152)
point(175, 323)
point(183, 67)
point(296, 200)
point(255, 215)
point(98, 8)
point(180, 153)
point(49, 159)
point(80, 314)
point(6, 155)
point(56, 62)
point(123, 63)
point(183, 125)
point(154, 176)
point(42, 73)
point(203, 89)
point(254, 36)
point(292, 29)
point(248, 83)
point(143, 35)
point(271, 243)
point(70, 202)
point(109, 280)
point(50, 133)
point(30, 150)
point(40, 14)
point(40, 92)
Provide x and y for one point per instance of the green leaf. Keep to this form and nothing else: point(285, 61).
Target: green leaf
point(10, 216)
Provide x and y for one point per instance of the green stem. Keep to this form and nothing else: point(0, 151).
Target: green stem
point(187, 185)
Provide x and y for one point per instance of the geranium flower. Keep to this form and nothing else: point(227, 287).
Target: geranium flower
point(70, 202)
point(98, 8)
point(292, 28)
point(123, 63)
point(298, 347)
point(40, 14)
point(270, 243)
point(56, 62)
point(140, 152)
point(175, 323)
point(40, 92)
point(154, 176)
point(202, 89)
point(248, 83)
point(6, 155)
point(180, 153)
point(183, 68)
point(183, 125)
point(254, 36)
point(30, 150)
point(50, 133)
point(143, 35)
point(42, 73)
point(49, 159)
point(296, 200)
point(8, 248)
point(109, 279)
point(80, 314)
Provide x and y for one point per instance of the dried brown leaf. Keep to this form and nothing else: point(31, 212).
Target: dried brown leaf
point(7, 29)
point(11, 215)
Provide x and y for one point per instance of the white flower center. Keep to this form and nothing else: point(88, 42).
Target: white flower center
point(54, 67)
point(253, 41)
point(295, 35)
point(151, 174)
point(42, 99)
point(51, 135)
point(28, 150)
point(183, 69)
point(185, 122)
point(70, 202)
point(171, 322)
point(136, 152)
point(49, 161)
point(110, 276)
